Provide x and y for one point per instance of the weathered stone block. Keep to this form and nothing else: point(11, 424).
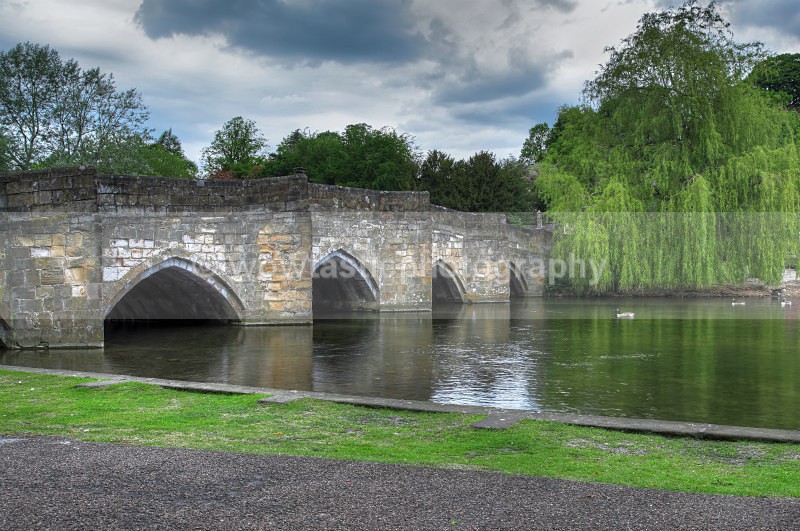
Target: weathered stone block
point(52, 276)
point(75, 275)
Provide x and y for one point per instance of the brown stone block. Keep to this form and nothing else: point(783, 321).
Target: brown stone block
point(43, 240)
point(75, 276)
point(74, 239)
point(264, 248)
point(300, 285)
point(52, 276)
point(277, 306)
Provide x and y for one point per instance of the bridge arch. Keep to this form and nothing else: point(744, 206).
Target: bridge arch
point(340, 282)
point(5, 330)
point(446, 286)
point(518, 284)
point(174, 289)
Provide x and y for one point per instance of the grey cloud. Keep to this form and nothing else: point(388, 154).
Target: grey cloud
point(514, 9)
point(780, 15)
point(564, 6)
point(521, 77)
point(500, 127)
point(304, 31)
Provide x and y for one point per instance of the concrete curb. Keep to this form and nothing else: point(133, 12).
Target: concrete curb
point(495, 418)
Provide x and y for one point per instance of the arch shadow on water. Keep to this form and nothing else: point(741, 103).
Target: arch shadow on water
point(341, 284)
point(175, 290)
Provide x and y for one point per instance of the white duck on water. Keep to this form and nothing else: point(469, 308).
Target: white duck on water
point(625, 315)
point(785, 303)
point(734, 302)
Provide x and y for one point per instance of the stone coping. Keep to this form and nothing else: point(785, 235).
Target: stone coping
point(495, 418)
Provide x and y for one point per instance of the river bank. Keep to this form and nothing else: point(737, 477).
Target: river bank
point(145, 415)
point(753, 288)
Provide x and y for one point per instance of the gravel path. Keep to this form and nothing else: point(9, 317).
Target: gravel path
point(64, 484)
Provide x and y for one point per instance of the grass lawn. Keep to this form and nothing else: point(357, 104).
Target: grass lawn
point(141, 414)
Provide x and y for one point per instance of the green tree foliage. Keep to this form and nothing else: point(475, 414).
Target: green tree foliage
point(318, 154)
point(483, 184)
point(478, 184)
point(165, 158)
point(236, 151)
point(170, 142)
point(437, 176)
point(535, 146)
point(360, 156)
point(53, 112)
point(379, 158)
point(780, 75)
point(676, 171)
point(5, 156)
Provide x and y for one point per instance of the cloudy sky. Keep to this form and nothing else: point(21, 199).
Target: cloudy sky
point(458, 75)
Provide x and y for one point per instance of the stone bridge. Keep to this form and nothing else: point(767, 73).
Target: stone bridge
point(79, 249)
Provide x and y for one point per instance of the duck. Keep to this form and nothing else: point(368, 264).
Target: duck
point(734, 302)
point(785, 303)
point(625, 315)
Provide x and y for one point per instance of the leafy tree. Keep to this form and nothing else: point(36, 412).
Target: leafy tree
point(779, 74)
point(29, 78)
point(478, 184)
point(360, 156)
point(165, 158)
point(320, 155)
point(170, 142)
point(51, 109)
point(437, 176)
point(670, 135)
point(535, 146)
point(5, 157)
point(378, 158)
point(237, 148)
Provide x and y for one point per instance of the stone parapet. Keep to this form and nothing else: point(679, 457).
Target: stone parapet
point(328, 197)
point(84, 190)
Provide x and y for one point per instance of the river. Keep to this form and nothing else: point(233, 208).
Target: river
point(699, 360)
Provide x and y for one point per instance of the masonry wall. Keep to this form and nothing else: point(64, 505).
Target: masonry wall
point(327, 197)
point(473, 245)
point(74, 243)
point(528, 250)
point(388, 233)
point(50, 279)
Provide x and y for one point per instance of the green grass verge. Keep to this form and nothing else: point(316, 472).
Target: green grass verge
point(142, 414)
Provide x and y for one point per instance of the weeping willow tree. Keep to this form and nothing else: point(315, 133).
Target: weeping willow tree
point(675, 170)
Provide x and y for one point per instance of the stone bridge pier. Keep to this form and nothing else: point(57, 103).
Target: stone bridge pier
point(371, 250)
point(79, 249)
point(479, 257)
